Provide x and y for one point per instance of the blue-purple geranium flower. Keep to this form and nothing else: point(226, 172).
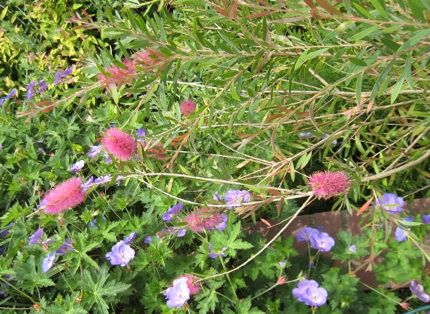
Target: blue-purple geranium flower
point(306, 234)
point(322, 241)
point(172, 212)
point(130, 238)
point(390, 202)
point(48, 262)
point(77, 166)
point(179, 294)
point(121, 254)
point(235, 198)
point(35, 237)
point(426, 219)
point(418, 291)
point(309, 292)
point(401, 232)
point(66, 246)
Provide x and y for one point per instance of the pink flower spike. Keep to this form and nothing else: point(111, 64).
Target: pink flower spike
point(329, 183)
point(118, 143)
point(188, 107)
point(64, 196)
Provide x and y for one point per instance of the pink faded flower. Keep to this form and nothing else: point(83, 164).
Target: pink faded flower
point(124, 74)
point(154, 152)
point(118, 143)
point(144, 60)
point(64, 196)
point(329, 183)
point(192, 285)
point(203, 219)
point(188, 107)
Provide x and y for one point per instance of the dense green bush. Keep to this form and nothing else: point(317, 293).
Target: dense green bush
point(216, 100)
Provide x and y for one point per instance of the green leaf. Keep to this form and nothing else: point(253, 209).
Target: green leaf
point(411, 43)
point(358, 62)
point(306, 55)
point(244, 307)
point(408, 71)
point(364, 33)
point(377, 88)
point(98, 289)
point(397, 88)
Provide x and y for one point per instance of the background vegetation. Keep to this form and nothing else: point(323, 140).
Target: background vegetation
point(282, 90)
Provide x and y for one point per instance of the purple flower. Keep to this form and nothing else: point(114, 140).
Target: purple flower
point(5, 232)
point(85, 186)
point(66, 72)
point(418, 291)
point(77, 166)
point(302, 286)
point(390, 202)
point(179, 294)
point(35, 237)
point(48, 262)
point(217, 197)
point(181, 233)
point(108, 160)
point(30, 90)
point(221, 226)
point(147, 240)
point(353, 248)
point(66, 246)
point(42, 86)
point(314, 296)
point(401, 234)
point(121, 254)
point(326, 135)
point(94, 151)
point(173, 211)
point(234, 198)
point(57, 78)
point(141, 132)
point(11, 94)
point(305, 134)
point(306, 234)
point(426, 219)
point(103, 180)
point(130, 238)
point(93, 223)
point(215, 254)
point(322, 241)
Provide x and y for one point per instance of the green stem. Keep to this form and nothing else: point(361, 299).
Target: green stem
point(19, 291)
point(425, 307)
point(229, 280)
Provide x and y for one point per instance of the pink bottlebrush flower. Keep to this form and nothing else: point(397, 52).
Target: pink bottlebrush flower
point(188, 107)
point(192, 285)
point(203, 219)
point(64, 196)
point(120, 144)
point(329, 183)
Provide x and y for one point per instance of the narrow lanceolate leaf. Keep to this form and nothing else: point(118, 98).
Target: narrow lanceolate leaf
point(414, 40)
point(381, 79)
point(329, 8)
point(397, 88)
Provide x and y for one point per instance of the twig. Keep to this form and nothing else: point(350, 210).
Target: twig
point(394, 171)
